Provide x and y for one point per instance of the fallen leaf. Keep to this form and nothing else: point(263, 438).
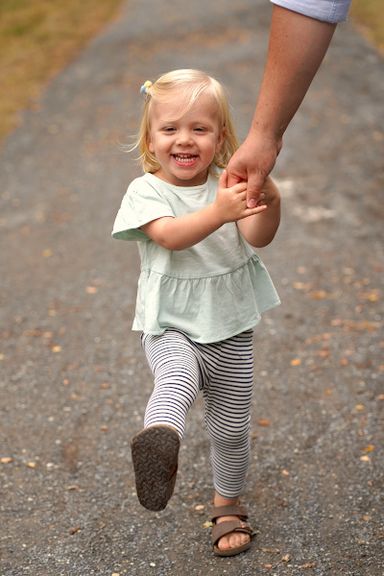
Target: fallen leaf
point(286, 558)
point(359, 407)
point(6, 460)
point(199, 507)
point(324, 353)
point(91, 289)
point(364, 325)
point(371, 296)
point(31, 465)
point(207, 524)
point(301, 286)
point(264, 422)
point(285, 472)
point(56, 349)
point(268, 566)
point(369, 448)
point(319, 295)
point(308, 565)
point(365, 458)
point(74, 530)
point(295, 362)
point(47, 253)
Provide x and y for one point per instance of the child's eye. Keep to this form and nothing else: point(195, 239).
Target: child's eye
point(200, 129)
point(168, 129)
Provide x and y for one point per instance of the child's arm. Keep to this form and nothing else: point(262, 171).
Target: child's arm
point(260, 229)
point(185, 231)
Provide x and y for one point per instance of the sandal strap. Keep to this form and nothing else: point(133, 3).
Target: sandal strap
point(228, 527)
point(231, 510)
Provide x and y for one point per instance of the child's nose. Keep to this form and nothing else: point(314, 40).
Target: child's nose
point(184, 137)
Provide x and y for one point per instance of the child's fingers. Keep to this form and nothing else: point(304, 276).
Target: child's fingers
point(253, 211)
point(239, 188)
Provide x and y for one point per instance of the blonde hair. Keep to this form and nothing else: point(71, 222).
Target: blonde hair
point(189, 85)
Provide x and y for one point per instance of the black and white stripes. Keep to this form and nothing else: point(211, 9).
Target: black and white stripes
point(224, 373)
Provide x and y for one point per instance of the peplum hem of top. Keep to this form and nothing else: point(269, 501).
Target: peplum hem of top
point(207, 309)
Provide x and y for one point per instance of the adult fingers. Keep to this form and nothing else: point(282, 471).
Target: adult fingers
point(223, 180)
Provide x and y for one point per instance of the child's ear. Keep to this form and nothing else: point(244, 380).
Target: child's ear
point(150, 146)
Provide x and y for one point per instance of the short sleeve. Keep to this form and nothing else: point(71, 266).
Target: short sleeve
point(141, 204)
point(332, 11)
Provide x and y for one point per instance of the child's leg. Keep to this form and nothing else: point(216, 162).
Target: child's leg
point(172, 359)
point(228, 403)
point(228, 396)
point(155, 449)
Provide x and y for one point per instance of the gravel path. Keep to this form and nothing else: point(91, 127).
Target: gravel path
point(73, 379)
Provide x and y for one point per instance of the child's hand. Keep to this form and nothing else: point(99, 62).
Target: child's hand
point(231, 203)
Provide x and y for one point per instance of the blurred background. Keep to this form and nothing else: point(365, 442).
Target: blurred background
point(37, 39)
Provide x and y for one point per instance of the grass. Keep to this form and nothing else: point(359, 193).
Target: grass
point(37, 39)
point(369, 17)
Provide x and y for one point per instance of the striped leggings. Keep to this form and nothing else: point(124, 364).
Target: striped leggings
point(223, 371)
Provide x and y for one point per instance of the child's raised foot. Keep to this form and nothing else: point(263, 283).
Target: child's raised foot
point(155, 457)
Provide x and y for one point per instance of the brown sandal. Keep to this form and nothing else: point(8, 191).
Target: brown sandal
point(155, 456)
point(227, 527)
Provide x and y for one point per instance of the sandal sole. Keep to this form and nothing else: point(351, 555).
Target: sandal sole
point(155, 453)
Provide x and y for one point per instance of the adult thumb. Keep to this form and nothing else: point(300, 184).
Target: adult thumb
point(254, 188)
point(223, 180)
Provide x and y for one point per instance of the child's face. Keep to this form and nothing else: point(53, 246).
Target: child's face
point(185, 143)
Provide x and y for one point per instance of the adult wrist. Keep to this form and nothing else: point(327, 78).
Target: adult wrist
point(268, 132)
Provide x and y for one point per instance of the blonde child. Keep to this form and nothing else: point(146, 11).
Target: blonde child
point(201, 291)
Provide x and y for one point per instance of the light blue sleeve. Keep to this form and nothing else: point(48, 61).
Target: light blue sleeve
point(141, 204)
point(332, 11)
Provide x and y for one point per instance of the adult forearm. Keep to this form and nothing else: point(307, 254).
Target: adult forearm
point(296, 49)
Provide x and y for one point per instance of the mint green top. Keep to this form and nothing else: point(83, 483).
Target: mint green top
point(214, 290)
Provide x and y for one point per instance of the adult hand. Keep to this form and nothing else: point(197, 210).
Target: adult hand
point(253, 162)
point(231, 201)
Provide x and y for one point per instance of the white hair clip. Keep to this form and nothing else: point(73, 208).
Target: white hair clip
point(145, 87)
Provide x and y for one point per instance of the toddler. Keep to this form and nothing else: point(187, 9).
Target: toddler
point(201, 291)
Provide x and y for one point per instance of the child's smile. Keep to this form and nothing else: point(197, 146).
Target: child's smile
point(185, 142)
point(185, 159)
